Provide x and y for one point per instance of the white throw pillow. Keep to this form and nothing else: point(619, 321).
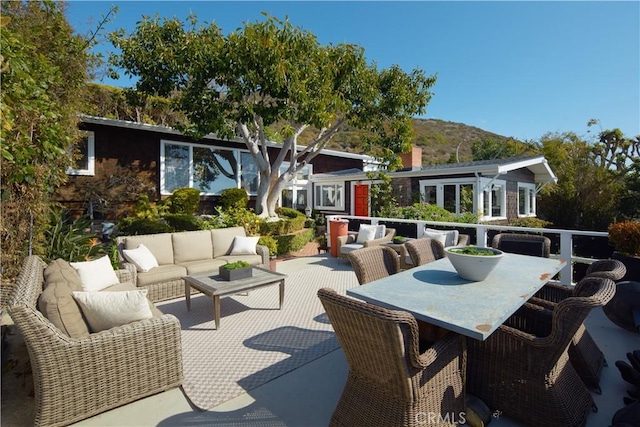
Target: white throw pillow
point(450, 236)
point(244, 245)
point(96, 275)
point(106, 310)
point(367, 232)
point(381, 230)
point(141, 257)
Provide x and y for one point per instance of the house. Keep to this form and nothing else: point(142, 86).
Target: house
point(497, 190)
point(121, 160)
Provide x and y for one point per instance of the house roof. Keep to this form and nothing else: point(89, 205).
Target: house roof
point(169, 130)
point(538, 165)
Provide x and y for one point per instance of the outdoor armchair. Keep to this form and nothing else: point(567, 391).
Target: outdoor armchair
point(392, 381)
point(523, 244)
point(523, 368)
point(374, 263)
point(349, 242)
point(424, 250)
point(76, 378)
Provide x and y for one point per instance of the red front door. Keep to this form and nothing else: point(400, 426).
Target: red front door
point(361, 200)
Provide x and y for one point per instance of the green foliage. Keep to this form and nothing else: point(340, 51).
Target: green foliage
point(381, 193)
point(235, 265)
point(288, 212)
point(137, 225)
point(625, 237)
point(233, 198)
point(279, 74)
point(288, 243)
point(43, 69)
point(184, 201)
point(530, 222)
point(429, 212)
point(283, 226)
point(143, 208)
point(236, 217)
point(270, 242)
point(183, 222)
point(70, 239)
point(489, 149)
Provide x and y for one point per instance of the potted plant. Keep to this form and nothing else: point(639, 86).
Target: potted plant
point(625, 238)
point(235, 270)
point(473, 262)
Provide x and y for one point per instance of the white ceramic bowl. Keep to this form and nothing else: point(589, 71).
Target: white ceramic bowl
point(473, 267)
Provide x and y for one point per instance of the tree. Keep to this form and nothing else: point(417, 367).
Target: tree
point(44, 69)
point(267, 73)
point(490, 149)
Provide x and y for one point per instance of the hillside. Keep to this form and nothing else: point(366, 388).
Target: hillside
point(439, 140)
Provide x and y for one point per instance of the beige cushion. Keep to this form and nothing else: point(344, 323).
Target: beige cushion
point(367, 232)
point(251, 259)
point(223, 239)
point(203, 266)
point(61, 271)
point(141, 257)
point(106, 310)
point(162, 273)
point(160, 245)
point(451, 236)
point(57, 304)
point(128, 286)
point(97, 274)
point(192, 246)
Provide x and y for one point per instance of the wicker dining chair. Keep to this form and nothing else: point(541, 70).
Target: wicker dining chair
point(392, 381)
point(523, 368)
point(424, 250)
point(585, 355)
point(523, 244)
point(374, 263)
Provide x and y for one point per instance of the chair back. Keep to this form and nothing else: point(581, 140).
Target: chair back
point(373, 263)
point(609, 268)
point(523, 244)
point(377, 342)
point(424, 250)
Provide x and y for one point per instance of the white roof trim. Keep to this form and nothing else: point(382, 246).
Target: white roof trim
point(169, 130)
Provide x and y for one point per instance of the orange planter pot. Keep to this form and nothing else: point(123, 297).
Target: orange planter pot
point(337, 228)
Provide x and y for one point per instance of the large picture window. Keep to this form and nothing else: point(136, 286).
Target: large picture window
point(83, 156)
point(526, 199)
point(455, 195)
point(208, 169)
point(329, 196)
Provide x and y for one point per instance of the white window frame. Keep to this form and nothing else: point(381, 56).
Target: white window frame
point(164, 142)
point(487, 185)
point(530, 199)
point(339, 206)
point(296, 184)
point(439, 184)
point(91, 157)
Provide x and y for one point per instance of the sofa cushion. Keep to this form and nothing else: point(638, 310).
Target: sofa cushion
point(192, 246)
point(244, 245)
point(97, 274)
point(223, 239)
point(451, 236)
point(162, 273)
point(251, 259)
point(203, 266)
point(106, 310)
point(345, 249)
point(160, 245)
point(141, 257)
point(128, 286)
point(61, 271)
point(57, 304)
point(367, 232)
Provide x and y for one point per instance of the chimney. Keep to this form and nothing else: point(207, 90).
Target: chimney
point(413, 159)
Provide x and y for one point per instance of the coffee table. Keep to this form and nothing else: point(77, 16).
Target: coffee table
point(213, 285)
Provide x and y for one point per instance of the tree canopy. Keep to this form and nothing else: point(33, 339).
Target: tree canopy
point(269, 72)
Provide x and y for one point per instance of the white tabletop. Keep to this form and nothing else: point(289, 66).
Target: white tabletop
point(434, 293)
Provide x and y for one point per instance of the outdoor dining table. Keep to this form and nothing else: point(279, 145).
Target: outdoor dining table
point(435, 294)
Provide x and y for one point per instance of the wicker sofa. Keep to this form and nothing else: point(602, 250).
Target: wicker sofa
point(184, 253)
point(76, 377)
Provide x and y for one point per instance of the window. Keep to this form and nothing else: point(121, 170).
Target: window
point(494, 199)
point(430, 194)
point(84, 156)
point(295, 194)
point(206, 168)
point(329, 196)
point(455, 195)
point(526, 199)
point(249, 177)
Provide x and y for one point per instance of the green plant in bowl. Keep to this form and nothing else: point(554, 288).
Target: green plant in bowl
point(474, 250)
point(399, 239)
point(235, 265)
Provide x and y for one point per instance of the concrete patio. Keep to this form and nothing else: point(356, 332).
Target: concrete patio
point(307, 396)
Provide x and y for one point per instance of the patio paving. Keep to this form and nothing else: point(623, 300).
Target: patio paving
point(307, 396)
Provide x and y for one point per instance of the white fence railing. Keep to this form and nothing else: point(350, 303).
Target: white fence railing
point(566, 237)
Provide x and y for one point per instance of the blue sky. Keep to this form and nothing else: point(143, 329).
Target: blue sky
point(518, 69)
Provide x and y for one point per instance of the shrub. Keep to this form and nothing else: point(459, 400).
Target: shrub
point(293, 242)
point(271, 243)
point(236, 217)
point(625, 237)
point(183, 222)
point(430, 212)
point(144, 209)
point(288, 212)
point(133, 226)
point(184, 201)
point(233, 198)
point(530, 222)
